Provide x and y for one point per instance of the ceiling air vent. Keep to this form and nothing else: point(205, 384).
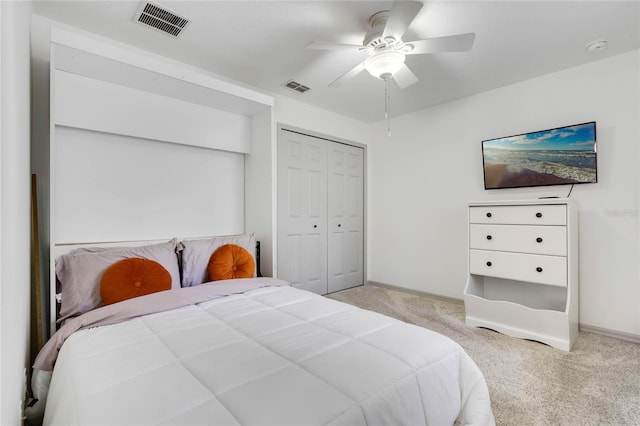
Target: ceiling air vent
point(295, 86)
point(161, 19)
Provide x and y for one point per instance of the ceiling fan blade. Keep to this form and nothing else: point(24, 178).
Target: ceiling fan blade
point(405, 77)
point(400, 17)
point(327, 45)
point(454, 43)
point(348, 75)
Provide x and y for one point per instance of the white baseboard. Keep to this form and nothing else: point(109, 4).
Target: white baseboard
point(620, 335)
point(416, 292)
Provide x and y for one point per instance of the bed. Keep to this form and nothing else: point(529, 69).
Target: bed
point(239, 350)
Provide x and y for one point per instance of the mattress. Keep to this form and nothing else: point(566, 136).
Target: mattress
point(272, 355)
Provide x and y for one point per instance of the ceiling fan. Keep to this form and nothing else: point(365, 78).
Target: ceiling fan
point(386, 49)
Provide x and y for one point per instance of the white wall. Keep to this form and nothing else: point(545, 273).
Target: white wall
point(120, 188)
point(145, 114)
point(260, 202)
point(421, 179)
point(298, 114)
point(14, 207)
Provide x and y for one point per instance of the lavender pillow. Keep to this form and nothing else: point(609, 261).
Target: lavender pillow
point(80, 272)
point(196, 255)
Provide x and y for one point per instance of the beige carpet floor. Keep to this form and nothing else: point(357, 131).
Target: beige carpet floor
point(596, 383)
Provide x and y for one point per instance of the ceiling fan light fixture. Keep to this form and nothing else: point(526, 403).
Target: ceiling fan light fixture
point(384, 64)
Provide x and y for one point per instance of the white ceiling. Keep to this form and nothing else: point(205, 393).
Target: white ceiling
point(262, 43)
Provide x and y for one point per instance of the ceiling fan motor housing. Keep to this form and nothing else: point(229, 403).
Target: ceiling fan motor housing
point(373, 38)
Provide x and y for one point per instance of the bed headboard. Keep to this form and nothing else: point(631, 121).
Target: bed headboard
point(63, 249)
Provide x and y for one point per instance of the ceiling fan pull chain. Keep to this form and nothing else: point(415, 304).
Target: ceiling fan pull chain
point(386, 106)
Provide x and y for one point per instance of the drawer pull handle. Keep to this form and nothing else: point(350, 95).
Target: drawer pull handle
point(539, 269)
point(488, 214)
point(488, 263)
point(489, 237)
point(538, 214)
point(539, 240)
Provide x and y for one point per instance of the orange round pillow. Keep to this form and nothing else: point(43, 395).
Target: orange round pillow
point(133, 277)
point(230, 261)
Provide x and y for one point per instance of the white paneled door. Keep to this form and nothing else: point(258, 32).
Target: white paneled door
point(320, 213)
point(345, 216)
point(302, 212)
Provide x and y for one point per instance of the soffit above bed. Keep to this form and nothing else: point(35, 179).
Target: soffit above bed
point(144, 71)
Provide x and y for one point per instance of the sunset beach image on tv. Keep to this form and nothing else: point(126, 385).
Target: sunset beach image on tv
point(560, 156)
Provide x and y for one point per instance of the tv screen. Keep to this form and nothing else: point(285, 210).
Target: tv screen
point(565, 155)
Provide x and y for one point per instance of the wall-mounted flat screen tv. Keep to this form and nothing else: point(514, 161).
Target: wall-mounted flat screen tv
point(560, 156)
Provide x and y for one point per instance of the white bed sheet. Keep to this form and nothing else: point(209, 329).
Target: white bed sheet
point(271, 356)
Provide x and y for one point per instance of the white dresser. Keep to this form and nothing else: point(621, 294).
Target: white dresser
point(523, 269)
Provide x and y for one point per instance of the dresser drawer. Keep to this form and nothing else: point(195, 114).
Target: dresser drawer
point(519, 215)
point(551, 240)
point(539, 269)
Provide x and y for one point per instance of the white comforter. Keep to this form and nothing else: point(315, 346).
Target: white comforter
point(270, 356)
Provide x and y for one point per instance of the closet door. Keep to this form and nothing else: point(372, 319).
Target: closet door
point(345, 221)
point(302, 211)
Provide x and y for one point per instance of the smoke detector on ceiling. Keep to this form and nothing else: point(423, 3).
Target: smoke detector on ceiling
point(596, 46)
point(161, 18)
